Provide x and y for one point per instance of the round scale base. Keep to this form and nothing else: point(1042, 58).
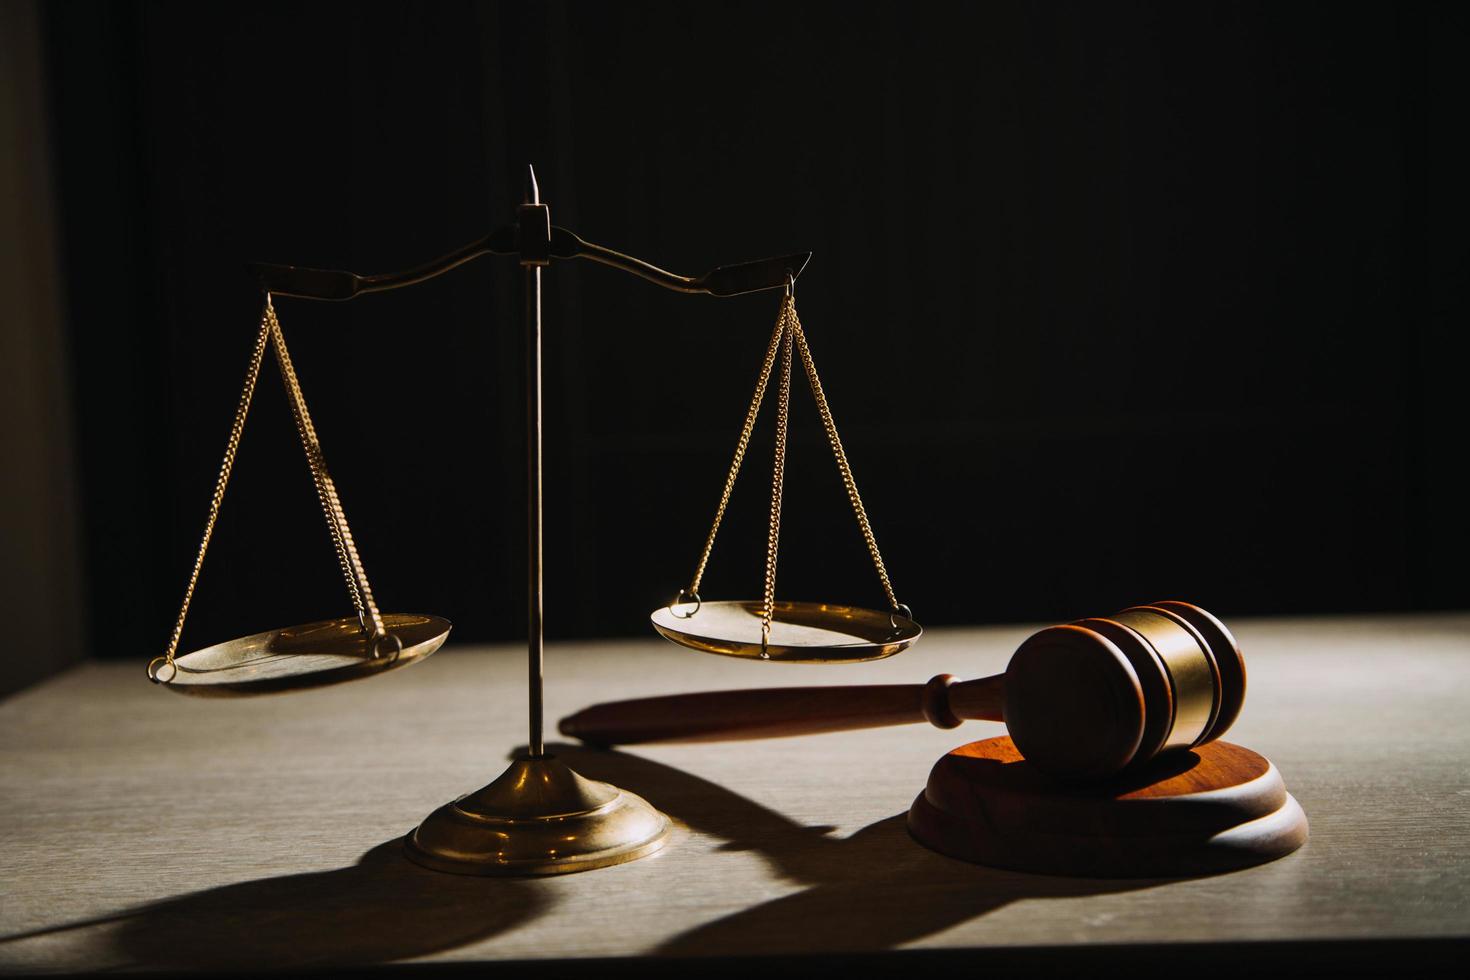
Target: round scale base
point(1216, 808)
point(801, 632)
point(538, 818)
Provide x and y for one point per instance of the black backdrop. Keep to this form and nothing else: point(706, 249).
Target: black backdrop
point(1112, 302)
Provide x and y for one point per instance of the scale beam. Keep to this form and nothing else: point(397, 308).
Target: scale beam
point(727, 280)
point(338, 285)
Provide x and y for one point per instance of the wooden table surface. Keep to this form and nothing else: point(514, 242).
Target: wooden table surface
point(145, 830)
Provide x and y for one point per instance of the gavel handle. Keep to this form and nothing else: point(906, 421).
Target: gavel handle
point(773, 712)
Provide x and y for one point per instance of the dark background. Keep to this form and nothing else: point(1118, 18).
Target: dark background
point(1113, 302)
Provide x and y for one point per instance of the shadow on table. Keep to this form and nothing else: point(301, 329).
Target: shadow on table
point(384, 908)
point(875, 890)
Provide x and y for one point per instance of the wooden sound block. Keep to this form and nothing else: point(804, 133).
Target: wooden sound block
point(1215, 808)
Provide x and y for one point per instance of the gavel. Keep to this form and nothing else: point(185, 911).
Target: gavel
point(1081, 701)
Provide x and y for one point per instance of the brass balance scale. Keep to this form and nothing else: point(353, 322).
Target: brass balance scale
point(539, 816)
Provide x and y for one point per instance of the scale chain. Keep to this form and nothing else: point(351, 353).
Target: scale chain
point(347, 556)
point(237, 427)
point(740, 447)
point(788, 334)
point(353, 571)
point(841, 456)
point(778, 471)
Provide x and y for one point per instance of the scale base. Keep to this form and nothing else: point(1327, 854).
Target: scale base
point(538, 818)
point(1216, 808)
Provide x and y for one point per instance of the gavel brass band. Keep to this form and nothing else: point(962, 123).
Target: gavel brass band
point(1090, 698)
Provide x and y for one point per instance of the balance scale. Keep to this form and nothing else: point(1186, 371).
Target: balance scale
point(539, 816)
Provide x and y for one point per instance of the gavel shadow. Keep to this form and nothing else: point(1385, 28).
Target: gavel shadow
point(877, 889)
point(383, 908)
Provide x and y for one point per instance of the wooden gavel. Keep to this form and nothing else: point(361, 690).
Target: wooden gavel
point(1081, 701)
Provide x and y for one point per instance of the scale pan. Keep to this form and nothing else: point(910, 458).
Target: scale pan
point(296, 657)
point(801, 632)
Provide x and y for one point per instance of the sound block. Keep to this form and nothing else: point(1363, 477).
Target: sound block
point(1215, 808)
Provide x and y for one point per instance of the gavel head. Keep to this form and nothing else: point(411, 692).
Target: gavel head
point(1087, 700)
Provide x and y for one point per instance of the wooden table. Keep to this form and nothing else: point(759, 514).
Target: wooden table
point(145, 830)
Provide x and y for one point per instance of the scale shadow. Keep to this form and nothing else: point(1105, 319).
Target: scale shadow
point(382, 909)
point(876, 890)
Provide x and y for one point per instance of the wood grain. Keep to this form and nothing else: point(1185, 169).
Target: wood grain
point(143, 830)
